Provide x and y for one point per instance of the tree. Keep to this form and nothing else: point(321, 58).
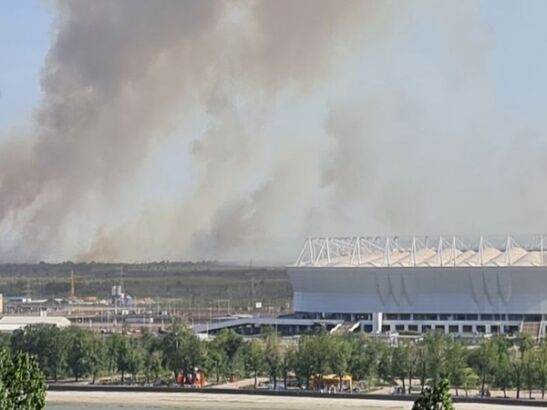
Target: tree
point(435, 349)
point(421, 363)
point(469, 379)
point(435, 398)
point(542, 368)
point(272, 356)
point(529, 362)
point(303, 360)
point(119, 351)
point(96, 355)
point(182, 350)
point(215, 359)
point(503, 375)
point(286, 363)
point(365, 357)
point(134, 359)
point(78, 352)
point(484, 361)
point(515, 358)
point(229, 343)
point(400, 362)
point(455, 363)
point(46, 342)
point(521, 363)
point(253, 353)
point(23, 385)
point(385, 365)
point(321, 353)
point(153, 365)
point(412, 364)
point(340, 356)
point(153, 355)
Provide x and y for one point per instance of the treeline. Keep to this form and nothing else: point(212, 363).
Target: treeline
point(495, 363)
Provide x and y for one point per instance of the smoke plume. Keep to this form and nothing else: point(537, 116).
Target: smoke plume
point(273, 119)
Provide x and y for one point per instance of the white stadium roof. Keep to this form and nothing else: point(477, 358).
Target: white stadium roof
point(425, 251)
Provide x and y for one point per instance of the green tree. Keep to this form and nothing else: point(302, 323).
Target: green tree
point(515, 359)
point(435, 398)
point(542, 368)
point(400, 362)
point(135, 359)
point(385, 364)
point(321, 354)
point(46, 342)
point(503, 374)
point(215, 359)
point(413, 357)
point(469, 379)
point(229, 343)
point(119, 352)
point(253, 353)
point(365, 357)
point(435, 349)
point(23, 383)
point(340, 356)
point(272, 356)
point(421, 363)
point(286, 363)
point(153, 365)
point(529, 363)
point(519, 361)
point(78, 352)
point(5, 369)
point(303, 360)
point(455, 363)
point(96, 355)
point(484, 360)
point(182, 350)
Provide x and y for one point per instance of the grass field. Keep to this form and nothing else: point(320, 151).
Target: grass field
point(197, 284)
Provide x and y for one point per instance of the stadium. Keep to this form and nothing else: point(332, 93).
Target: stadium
point(385, 285)
point(457, 285)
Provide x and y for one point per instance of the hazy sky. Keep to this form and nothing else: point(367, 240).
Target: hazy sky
point(415, 117)
point(515, 30)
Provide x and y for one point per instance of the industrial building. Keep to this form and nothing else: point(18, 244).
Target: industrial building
point(9, 324)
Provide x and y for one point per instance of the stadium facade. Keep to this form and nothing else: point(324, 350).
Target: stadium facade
point(458, 285)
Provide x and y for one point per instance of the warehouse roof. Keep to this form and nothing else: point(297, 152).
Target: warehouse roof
point(11, 323)
point(425, 251)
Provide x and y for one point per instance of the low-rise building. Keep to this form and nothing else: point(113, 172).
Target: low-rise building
point(9, 324)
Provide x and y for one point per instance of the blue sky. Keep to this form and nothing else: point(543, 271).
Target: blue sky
point(519, 53)
point(25, 35)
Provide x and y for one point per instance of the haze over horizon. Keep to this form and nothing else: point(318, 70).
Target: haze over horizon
point(188, 130)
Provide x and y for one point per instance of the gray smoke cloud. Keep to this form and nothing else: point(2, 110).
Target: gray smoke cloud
point(314, 117)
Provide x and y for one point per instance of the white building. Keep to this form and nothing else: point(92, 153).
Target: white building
point(9, 324)
point(458, 285)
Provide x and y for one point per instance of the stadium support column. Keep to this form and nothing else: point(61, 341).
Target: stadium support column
point(377, 322)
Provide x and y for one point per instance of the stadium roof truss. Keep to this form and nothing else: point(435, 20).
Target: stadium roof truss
point(424, 251)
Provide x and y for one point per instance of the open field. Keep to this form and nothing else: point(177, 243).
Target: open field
point(198, 401)
point(198, 284)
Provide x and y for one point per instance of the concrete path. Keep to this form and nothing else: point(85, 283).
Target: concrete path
point(239, 384)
